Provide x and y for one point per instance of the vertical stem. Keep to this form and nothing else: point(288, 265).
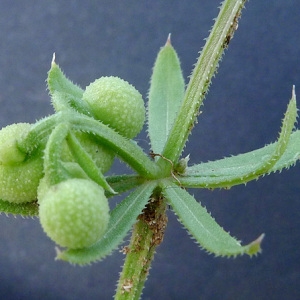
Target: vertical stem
point(205, 68)
point(147, 234)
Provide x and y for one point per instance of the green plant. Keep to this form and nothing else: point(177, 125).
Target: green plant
point(160, 179)
point(74, 213)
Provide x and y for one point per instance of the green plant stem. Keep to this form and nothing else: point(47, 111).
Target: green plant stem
point(147, 234)
point(205, 68)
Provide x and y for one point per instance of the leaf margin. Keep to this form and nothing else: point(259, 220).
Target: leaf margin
point(165, 96)
point(212, 175)
point(123, 216)
point(192, 215)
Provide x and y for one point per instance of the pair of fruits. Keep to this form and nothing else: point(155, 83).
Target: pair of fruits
point(75, 212)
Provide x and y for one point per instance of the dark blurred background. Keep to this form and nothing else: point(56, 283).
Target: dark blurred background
point(242, 112)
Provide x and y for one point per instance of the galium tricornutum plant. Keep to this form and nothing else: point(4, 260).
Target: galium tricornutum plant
point(55, 168)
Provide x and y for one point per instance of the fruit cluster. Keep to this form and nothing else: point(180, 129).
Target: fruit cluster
point(59, 164)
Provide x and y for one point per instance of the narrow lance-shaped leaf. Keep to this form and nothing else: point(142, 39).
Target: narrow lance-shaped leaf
point(87, 163)
point(203, 227)
point(245, 167)
point(131, 153)
point(38, 134)
point(123, 183)
point(64, 93)
point(165, 96)
point(205, 68)
point(53, 167)
point(122, 147)
point(62, 101)
point(121, 221)
point(233, 170)
point(57, 81)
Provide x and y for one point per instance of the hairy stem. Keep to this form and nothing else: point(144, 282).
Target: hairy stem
point(147, 234)
point(205, 68)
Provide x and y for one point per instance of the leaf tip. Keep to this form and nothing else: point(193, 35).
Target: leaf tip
point(254, 247)
point(293, 92)
point(58, 253)
point(53, 59)
point(168, 42)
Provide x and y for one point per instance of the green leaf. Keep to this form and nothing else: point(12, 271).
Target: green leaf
point(165, 96)
point(39, 133)
point(203, 227)
point(291, 154)
point(121, 221)
point(131, 153)
point(205, 68)
point(87, 163)
point(57, 81)
point(127, 149)
point(62, 101)
point(64, 93)
point(245, 167)
point(234, 170)
point(53, 166)
point(123, 183)
point(29, 209)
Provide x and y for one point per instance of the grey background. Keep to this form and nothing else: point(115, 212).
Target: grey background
point(243, 111)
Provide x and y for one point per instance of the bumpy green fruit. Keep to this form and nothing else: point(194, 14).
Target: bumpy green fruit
point(9, 153)
point(116, 103)
point(19, 177)
point(74, 213)
point(42, 188)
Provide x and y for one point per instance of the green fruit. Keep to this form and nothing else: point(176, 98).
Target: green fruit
point(19, 177)
point(43, 188)
point(74, 213)
point(116, 103)
point(9, 153)
point(19, 183)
